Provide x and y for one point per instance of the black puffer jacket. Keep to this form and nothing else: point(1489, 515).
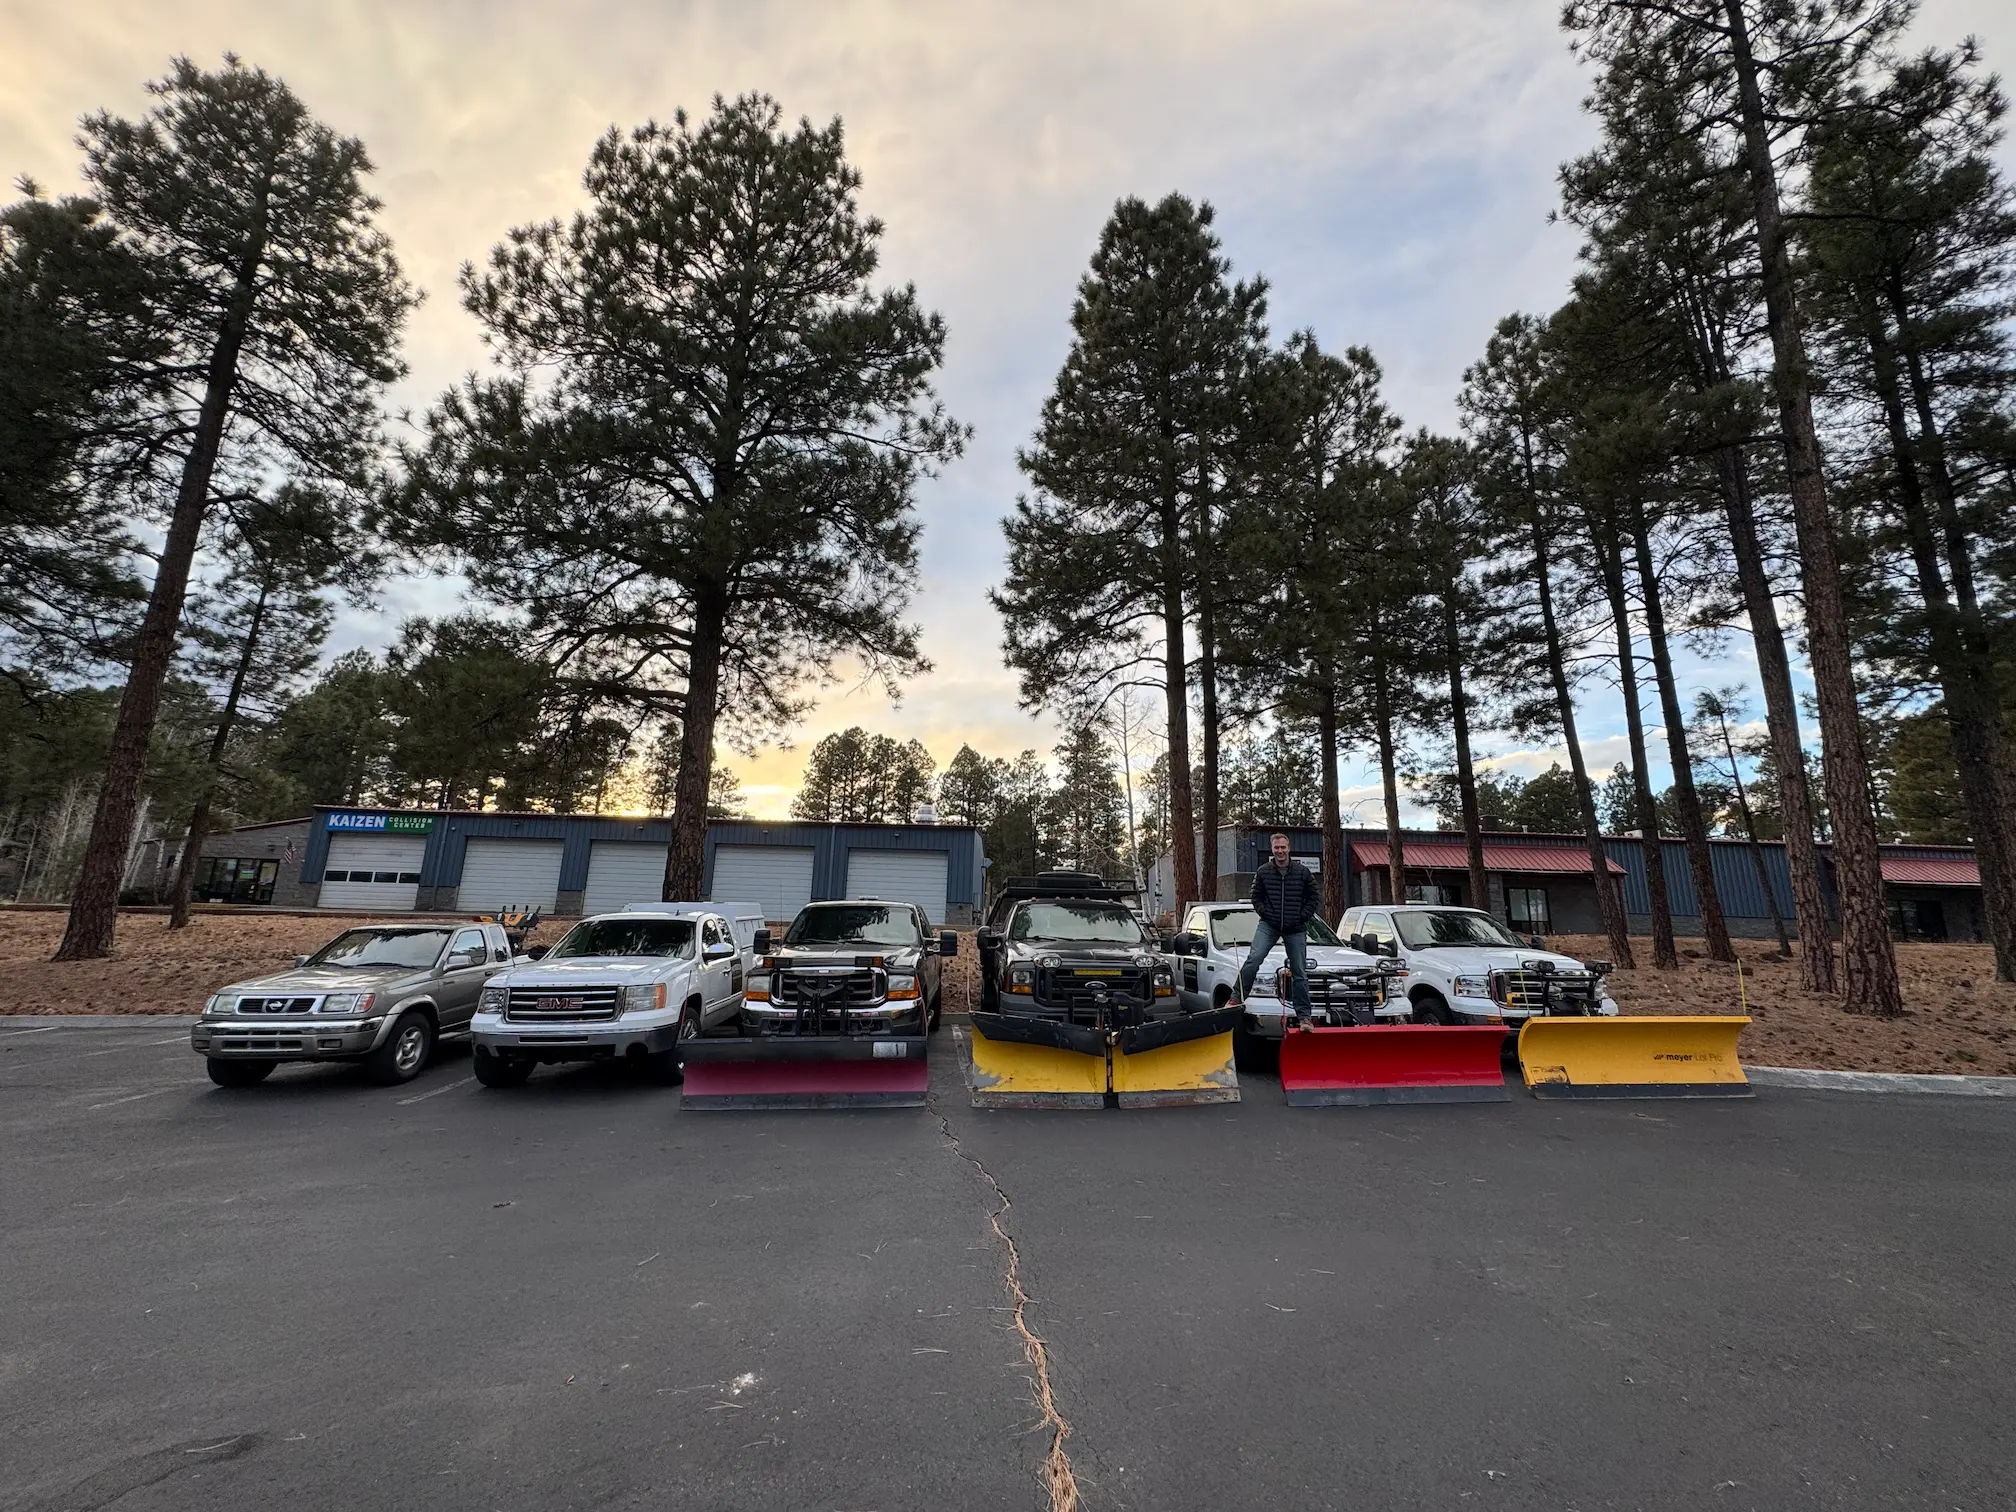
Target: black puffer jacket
point(1286, 896)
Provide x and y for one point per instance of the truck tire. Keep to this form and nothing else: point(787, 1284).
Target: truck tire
point(494, 1070)
point(1430, 1007)
point(406, 1050)
point(667, 1068)
point(238, 1073)
point(937, 1010)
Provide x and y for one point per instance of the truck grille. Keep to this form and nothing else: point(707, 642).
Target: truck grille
point(1066, 988)
point(552, 1005)
point(271, 1005)
point(1545, 992)
point(1343, 992)
point(863, 988)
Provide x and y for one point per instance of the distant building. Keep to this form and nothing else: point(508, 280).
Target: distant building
point(1542, 884)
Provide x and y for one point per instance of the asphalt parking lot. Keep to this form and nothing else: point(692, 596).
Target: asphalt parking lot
point(321, 1294)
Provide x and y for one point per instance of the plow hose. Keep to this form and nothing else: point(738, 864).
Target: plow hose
point(1650, 1056)
point(1400, 1063)
point(805, 1072)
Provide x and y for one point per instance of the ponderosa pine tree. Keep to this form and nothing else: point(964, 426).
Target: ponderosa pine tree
point(280, 306)
point(1128, 464)
point(694, 475)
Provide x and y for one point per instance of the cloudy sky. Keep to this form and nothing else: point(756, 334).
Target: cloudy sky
point(1387, 167)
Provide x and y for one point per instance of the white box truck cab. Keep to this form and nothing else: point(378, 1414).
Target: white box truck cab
point(1464, 967)
point(630, 985)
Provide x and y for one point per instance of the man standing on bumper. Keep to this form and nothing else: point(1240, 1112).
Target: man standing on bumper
point(1285, 897)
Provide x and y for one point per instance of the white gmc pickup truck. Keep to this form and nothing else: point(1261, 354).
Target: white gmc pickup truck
point(629, 985)
point(1464, 967)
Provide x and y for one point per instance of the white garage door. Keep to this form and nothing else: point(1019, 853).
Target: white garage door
point(372, 873)
point(900, 876)
point(499, 873)
point(622, 872)
point(776, 876)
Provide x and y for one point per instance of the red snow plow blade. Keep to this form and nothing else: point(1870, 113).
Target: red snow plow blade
point(1401, 1063)
point(813, 1072)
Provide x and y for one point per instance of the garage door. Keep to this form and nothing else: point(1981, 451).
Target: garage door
point(900, 876)
point(776, 876)
point(498, 874)
point(372, 873)
point(622, 872)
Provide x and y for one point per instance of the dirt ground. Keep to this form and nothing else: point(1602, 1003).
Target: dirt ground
point(1960, 1018)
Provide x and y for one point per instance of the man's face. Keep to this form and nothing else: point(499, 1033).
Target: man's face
point(1280, 846)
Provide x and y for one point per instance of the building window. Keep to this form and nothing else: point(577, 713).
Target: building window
point(231, 879)
point(1917, 919)
point(1526, 908)
point(1440, 894)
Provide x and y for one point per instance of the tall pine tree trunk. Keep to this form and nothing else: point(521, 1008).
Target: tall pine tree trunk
point(1781, 722)
point(1973, 715)
point(1389, 781)
point(1207, 683)
point(1665, 955)
point(1869, 955)
point(1334, 899)
point(94, 902)
point(1176, 687)
point(686, 857)
point(1466, 773)
point(1609, 898)
point(1693, 828)
point(199, 820)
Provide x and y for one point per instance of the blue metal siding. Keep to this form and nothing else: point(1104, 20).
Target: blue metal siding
point(1735, 878)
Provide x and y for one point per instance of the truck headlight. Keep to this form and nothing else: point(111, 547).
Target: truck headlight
point(645, 998)
point(347, 1002)
point(758, 989)
point(1165, 984)
point(1472, 986)
point(902, 985)
point(219, 1003)
point(493, 1000)
point(1021, 977)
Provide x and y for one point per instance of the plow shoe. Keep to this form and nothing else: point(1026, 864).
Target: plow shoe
point(1650, 1056)
point(812, 1072)
point(1400, 1063)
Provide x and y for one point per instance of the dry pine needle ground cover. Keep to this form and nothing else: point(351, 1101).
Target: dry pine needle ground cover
point(1961, 1019)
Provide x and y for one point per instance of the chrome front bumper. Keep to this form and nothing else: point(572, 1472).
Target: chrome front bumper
point(294, 1039)
point(592, 1039)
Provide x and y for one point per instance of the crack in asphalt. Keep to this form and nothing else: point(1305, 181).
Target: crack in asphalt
point(1059, 1483)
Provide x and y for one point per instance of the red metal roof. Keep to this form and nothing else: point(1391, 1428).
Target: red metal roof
point(1933, 871)
point(1444, 855)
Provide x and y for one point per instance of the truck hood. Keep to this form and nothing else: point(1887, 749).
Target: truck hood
point(307, 979)
point(1081, 954)
point(580, 971)
point(1471, 959)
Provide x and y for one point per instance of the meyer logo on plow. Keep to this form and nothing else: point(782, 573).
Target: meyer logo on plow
point(1648, 1056)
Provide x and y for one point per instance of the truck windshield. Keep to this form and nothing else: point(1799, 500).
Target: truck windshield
point(1234, 931)
point(415, 949)
point(1423, 928)
point(625, 937)
point(1093, 923)
point(853, 924)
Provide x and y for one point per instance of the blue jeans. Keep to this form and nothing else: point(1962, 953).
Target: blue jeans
point(1265, 936)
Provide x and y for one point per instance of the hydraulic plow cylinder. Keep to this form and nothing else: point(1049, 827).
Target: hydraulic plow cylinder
point(1400, 1063)
point(1650, 1056)
point(812, 1072)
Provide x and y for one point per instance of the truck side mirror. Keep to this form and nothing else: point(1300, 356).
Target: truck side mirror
point(989, 939)
point(761, 944)
point(720, 950)
point(1389, 948)
point(1536, 942)
point(300, 960)
point(536, 952)
point(948, 942)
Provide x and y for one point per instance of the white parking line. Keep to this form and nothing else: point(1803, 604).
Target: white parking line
point(18, 1033)
point(180, 1039)
point(407, 1102)
point(178, 1087)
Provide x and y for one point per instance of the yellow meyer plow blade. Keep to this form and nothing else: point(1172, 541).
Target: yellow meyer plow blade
point(1633, 1057)
point(1023, 1061)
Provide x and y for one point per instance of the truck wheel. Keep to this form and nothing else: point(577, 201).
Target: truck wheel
point(494, 1070)
point(238, 1073)
point(667, 1068)
point(405, 1053)
point(937, 1010)
point(1431, 1008)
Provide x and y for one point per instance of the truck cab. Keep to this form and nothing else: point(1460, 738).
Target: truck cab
point(631, 985)
point(1464, 967)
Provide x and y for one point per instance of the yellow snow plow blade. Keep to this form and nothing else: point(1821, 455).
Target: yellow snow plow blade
point(1652, 1056)
point(1190, 1071)
point(1013, 1073)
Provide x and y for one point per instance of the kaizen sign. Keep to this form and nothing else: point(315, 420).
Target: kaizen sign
point(404, 824)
